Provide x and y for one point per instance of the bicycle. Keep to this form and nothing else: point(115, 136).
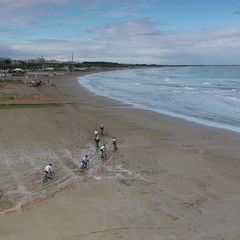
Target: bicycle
point(114, 142)
point(115, 148)
point(51, 175)
point(97, 140)
point(101, 129)
point(103, 155)
point(85, 168)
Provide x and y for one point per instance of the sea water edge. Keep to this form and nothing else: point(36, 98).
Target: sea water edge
point(207, 95)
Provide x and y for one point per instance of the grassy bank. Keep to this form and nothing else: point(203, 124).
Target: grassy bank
point(31, 105)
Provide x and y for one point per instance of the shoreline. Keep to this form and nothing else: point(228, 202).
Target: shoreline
point(206, 120)
point(167, 172)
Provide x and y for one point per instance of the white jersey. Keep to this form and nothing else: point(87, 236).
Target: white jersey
point(103, 148)
point(48, 168)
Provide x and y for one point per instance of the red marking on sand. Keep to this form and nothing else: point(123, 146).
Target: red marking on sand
point(65, 187)
point(28, 176)
point(62, 158)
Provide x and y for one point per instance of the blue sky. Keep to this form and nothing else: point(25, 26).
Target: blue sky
point(123, 31)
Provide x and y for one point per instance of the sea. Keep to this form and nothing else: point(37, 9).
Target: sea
point(207, 95)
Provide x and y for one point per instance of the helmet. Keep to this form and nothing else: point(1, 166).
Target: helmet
point(86, 156)
point(50, 164)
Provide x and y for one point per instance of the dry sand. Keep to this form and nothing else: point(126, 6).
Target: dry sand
point(171, 179)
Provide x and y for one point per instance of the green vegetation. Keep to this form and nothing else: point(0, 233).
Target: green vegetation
point(31, 105)
point(42, 64)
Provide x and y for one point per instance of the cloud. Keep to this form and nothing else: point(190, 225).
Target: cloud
point(12, 4)
point(131, 39)
point(32, 12)
point(28, 12)
point(238, 9)
point(138, 42)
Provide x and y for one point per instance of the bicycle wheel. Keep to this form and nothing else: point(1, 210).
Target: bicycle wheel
point(45, 178)
point(1, 193)
point(52, 175)
point(104, 156)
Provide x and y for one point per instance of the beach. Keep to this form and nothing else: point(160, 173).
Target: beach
point(170, 178)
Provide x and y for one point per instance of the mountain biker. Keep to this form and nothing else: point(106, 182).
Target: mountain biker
point(114, 141)
point(85, 162)
point(101, 128)
point(97, 140)
point(48, 169)
point(103, 150)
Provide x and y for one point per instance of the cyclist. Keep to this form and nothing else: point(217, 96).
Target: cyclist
point(103, 150)
point(48, 169)
point(114, 141)
point(101, 128)
point(97, 140)
point(85, 162)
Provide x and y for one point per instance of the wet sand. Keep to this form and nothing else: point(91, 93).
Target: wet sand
point(170, 179)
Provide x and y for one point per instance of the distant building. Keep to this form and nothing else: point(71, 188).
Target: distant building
point(37, 60)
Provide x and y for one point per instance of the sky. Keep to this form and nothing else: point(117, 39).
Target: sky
point(122, 31)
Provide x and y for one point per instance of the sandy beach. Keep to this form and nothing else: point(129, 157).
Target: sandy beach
point(169, 180)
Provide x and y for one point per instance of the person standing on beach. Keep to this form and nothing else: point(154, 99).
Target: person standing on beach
point(101, 128)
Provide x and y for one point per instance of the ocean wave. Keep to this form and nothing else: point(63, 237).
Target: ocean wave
point(196, 93)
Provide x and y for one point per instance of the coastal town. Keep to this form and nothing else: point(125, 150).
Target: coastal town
point(11, 67)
